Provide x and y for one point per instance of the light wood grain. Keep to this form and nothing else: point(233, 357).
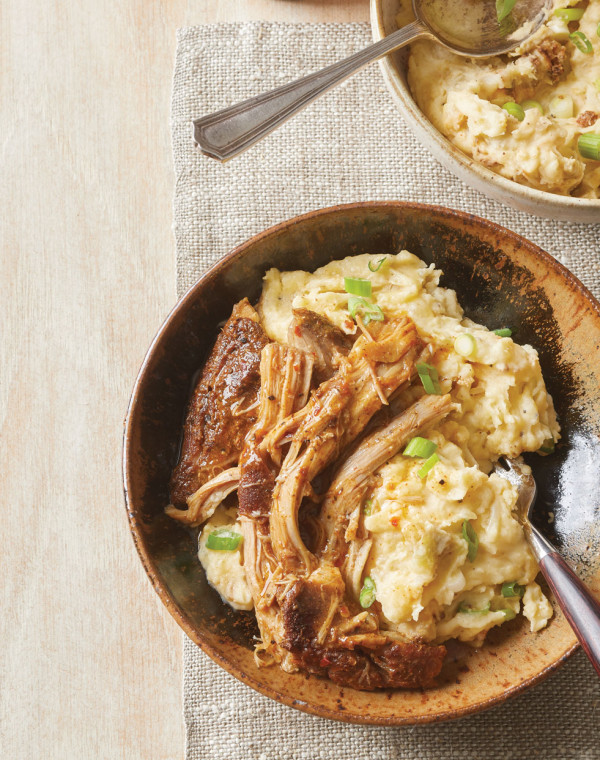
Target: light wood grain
point(90, 664)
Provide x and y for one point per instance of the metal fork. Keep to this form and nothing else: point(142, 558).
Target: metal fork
point(581, 609)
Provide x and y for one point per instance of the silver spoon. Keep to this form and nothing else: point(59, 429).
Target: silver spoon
point(468, 27)
point(574, 598)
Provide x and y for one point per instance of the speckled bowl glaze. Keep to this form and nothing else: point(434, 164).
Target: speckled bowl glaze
point(521, 197)
point(500, 279)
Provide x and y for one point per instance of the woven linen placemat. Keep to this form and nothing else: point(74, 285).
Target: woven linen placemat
point(352, 145)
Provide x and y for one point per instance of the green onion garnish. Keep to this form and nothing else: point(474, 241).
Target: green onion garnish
point(589, 145)
point(465, 345)
point(514, 109)
point(468, 533)
point(527, 104)
point(512, 589)
point(503, 8)
point(358, 287)
point(368, 506)
point(547, 447)
point(367, 593)
point(464, 607)
point(504, 332)
point(431, 462)
point(581, 42)
point(561, 107)
point(508, 613)
point(377, 266)
point(369, 310)
point(223, 540)
point(569, 14)
point(598, 31)
point(430, 379)
point(597, 82)
point(422, 448)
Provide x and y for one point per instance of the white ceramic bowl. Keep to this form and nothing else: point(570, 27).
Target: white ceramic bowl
point(549, 205)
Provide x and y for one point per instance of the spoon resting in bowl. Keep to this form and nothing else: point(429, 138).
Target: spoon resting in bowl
point(473, 28)
point(573, 597)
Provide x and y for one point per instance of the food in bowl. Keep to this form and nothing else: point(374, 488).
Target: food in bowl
point(337, 454)
point(532, 116)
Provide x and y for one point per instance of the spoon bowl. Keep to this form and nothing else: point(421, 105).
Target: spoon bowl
point(481, 28)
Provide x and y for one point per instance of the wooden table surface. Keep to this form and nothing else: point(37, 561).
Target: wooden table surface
point(90, 663)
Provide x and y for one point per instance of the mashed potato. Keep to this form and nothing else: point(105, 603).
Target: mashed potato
point(225, 570)
point(463, 98)
point(425, 582)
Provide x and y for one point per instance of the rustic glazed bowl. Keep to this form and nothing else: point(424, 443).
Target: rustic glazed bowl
point(501, 279)
point(521, 197)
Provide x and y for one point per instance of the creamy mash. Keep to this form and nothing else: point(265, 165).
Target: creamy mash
point(425, 582)
point(463, 99)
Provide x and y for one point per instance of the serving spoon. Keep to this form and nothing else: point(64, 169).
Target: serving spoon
point(574, 598)
point(473, 28)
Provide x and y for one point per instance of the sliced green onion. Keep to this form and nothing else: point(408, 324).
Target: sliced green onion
point(504, 332)
point(581, 42)
point(358, 287)
point(503, 8)
point(430, 378)
point(420, 447)
point(512, 589)
point(569, 14)
point(547, 447)
point(464, 607)
point(368, 506)
point(465, 345)
point(223, 540)
point(369, 310)
point(598, 31)
point(431, 462)
point(589, 145)
point(378, 264)
point(561, 107)
point(367, 593)
point(468, 533)
point(527, 104)
point(597, 82)
point(508, 613)
point(514, 109)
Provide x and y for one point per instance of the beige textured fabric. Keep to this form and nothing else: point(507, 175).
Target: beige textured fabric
point(352, 145)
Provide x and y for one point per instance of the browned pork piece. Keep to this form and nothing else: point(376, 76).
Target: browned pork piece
point(285, 383)
point(221, 411)
point(321, 339)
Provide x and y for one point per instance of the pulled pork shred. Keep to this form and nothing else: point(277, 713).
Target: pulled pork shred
point(306, 599)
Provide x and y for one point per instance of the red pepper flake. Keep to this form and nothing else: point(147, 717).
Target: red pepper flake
point(298, 331)
point(324, 662)
point(344, 611)
point(394, 521)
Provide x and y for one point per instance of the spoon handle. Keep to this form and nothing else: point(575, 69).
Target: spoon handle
point(227, 133)
point(581, 609)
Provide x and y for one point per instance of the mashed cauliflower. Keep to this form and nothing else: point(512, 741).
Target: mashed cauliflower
point(425, 582)
point(463, 98)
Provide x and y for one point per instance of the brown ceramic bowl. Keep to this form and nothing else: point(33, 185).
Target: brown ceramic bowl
point(501, 279)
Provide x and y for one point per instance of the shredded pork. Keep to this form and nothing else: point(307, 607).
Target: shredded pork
point(304, 553)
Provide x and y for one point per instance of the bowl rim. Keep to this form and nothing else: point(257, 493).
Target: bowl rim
point(466, 162)
point(179, 615)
